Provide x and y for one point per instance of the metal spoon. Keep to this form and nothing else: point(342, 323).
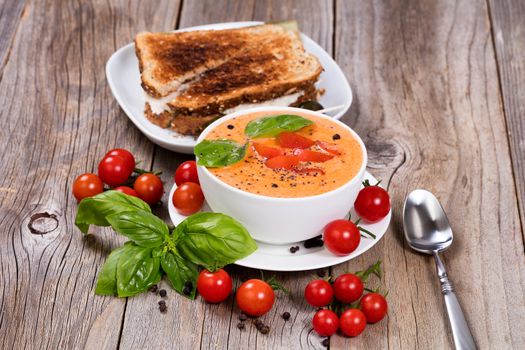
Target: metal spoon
point(427, 230)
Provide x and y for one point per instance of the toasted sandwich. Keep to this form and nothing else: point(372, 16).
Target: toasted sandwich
point(193, 78)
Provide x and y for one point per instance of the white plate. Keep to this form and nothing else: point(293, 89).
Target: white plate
point(278, 257)
point(122, 72)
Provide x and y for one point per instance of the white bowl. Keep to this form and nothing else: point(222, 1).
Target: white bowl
point(280, 220)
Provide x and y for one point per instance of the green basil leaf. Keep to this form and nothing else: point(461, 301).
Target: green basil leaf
point(94, 210)
point(274, 125)
point(137, 270)
point(180, 272)
point(213, 240)
point(219, 153)
point(107, 277)
point(143, 228)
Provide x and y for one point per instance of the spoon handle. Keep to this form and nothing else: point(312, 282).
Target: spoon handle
point(460, 330)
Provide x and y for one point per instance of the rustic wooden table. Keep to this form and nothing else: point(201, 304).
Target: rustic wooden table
point(439, 100)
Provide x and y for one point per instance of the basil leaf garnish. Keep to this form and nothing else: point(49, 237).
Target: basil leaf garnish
point(181, 273)
point(96, 209)
point(219, 153)
point(137, 270)
point(274, 125)
point(213, 240)
point(107, 277)
point(143, 228)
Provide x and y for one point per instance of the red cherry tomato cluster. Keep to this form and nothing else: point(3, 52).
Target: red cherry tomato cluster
point(342, 237)
point(345, 296)
point(254, 297)
point(296, 149)
point(188, 197)
point(116, 170)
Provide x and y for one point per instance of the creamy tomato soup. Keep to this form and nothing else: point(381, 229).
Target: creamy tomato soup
point(308, 178)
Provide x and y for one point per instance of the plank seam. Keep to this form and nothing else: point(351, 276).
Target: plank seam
point(504, 109)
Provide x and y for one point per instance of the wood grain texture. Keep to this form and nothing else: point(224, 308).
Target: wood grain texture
point(427, 104)
point(424, 75)
point(11, 13)
point(58, 120)
point(508, 30)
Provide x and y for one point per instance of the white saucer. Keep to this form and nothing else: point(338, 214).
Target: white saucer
point(278, 257)
point(122, 73)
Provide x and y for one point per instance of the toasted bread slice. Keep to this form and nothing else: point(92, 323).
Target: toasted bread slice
point(280, 67)
point(193, 123)
point(183, 124)
point(167, 60)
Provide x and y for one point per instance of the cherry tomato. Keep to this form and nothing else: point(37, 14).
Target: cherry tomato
point(267, 151)
point(114, 170)
point(341, 237)
point(124, 153)
point(255, 297)
point(127, 190)
point(188, 198)
point(187, 172)
point(318, 293)
point(325, 322)
point(282, 162)
point(293, 140)
point(372, 203)
point(87, 185)
point(328, 147)
point(348, 288)
point(352, 322)
point(149, 188)
point(374, 306)
point(214, 287)
point(306, 155)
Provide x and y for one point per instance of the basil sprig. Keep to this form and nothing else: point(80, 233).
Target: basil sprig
point(274, 125)
point(219, 153)
point(211, 240)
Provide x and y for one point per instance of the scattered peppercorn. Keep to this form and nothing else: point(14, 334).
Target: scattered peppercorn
point(336, 137)
point(294, 249)
point(240, 325)
point(163, 293)
point(265, 329)
point(243, 317)
point(313, 242)
point(286, 316)
point(326, 342)
point(230, 126)
point(162, 302)
point(188, 288)
point(163, 308)
point(153, 288)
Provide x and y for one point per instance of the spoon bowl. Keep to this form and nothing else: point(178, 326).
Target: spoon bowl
point(425, 223)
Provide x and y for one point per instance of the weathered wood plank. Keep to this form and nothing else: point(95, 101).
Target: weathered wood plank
point(58, 120)
point(424, 78)
point(508, 30)
point(11, 13)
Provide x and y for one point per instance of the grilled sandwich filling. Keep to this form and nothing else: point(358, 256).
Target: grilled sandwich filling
point(230, 70)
